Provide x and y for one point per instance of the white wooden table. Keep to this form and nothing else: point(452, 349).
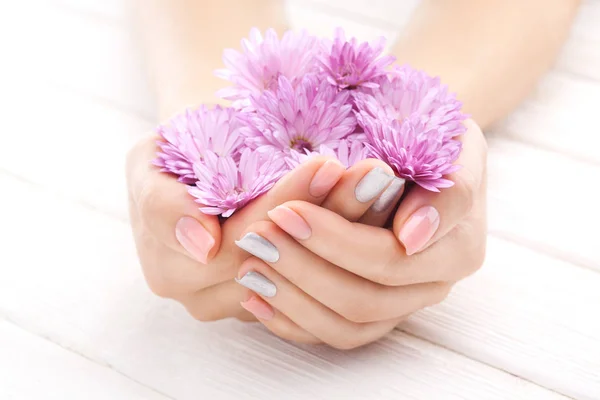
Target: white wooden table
point(77, 321)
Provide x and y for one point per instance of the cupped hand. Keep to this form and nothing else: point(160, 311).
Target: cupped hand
point(191, 257)
point(348, 284)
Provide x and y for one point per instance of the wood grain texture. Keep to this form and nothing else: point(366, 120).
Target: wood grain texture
point(544, 200)
point(34, 368)
point(561, 115)
point(525, 313)
point(74, 100)
point(85, 293)
point(70, 144)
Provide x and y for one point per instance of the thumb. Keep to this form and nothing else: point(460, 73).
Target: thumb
point(162, 205)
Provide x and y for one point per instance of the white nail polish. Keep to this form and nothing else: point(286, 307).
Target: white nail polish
point(385, 201)
point(259, 246)
point(372, 184)
point(258, 283)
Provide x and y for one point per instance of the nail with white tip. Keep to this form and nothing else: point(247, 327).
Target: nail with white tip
point(258, 283)
point(387, 198)
point(372, 184)
point(259, 247)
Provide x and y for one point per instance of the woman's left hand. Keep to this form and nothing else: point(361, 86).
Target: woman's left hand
point(325, 279)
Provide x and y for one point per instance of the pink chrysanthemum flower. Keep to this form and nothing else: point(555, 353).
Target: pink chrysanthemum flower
point(186, 137)
point(349, 152)
point(224, 185)
point(418, 154)
point(299, 118)
point(263, 60)
point(352, 65)
point(409, 93)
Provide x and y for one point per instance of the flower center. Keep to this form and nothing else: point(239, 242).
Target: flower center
point(271, 82)
point(300, 144)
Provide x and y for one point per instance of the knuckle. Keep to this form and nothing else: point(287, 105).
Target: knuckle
point(441, 293)
point(478, 255)
point(160, 286)
point(361, 309)
point(465, 187)
point(390, 272)
point(204, 313)
point(286, 331)
point(346, 343)
point(150, 200)
point(352, 337)
point(472, 233)
point(266, 229)
point(353, 310)
point(137, 152)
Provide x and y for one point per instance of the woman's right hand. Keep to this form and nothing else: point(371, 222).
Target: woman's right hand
point(189, 256)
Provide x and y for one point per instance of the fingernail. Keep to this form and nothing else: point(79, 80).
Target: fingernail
point(386, 200)
point(258, 283)
point(419, 229)
point(372, 184)
point(326, 178)
point(258, 308)
point(194, 238)
point(291, 222)
point(259, 246)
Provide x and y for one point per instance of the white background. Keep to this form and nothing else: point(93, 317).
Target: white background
point(77, 321)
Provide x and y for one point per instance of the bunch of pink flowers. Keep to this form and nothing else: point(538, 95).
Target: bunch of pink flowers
point(300, 96)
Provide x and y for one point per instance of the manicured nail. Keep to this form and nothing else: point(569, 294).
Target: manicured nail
point(326, 178)
point(258, 308)
point(372, 184)
point(419, 229)
point(387, 198)
point(291, 222)
point(258, 283)
point(259, 246)
point(194, 238)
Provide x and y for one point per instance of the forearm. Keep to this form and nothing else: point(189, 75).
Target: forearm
point(490, 52)
point(184, 41)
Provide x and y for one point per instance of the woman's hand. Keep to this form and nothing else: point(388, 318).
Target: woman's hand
point(348, 284)
point(190, 257)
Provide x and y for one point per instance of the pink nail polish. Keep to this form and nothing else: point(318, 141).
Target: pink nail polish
point(419, 229)
point(194, 238)
point(326, 178)
point(258, 308)
point(291, 222)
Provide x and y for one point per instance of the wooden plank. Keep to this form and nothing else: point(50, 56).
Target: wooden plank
point(73, 278)
point(561, 115)
point(70, 144)
point(581, 53)
point(545, 200)
point(34, 368)
point(525, 313)
point(85, 55)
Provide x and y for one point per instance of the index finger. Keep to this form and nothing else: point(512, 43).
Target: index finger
point(370, 252)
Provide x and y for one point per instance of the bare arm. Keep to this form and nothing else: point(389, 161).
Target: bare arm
point(184, 41)
point(490, 52)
